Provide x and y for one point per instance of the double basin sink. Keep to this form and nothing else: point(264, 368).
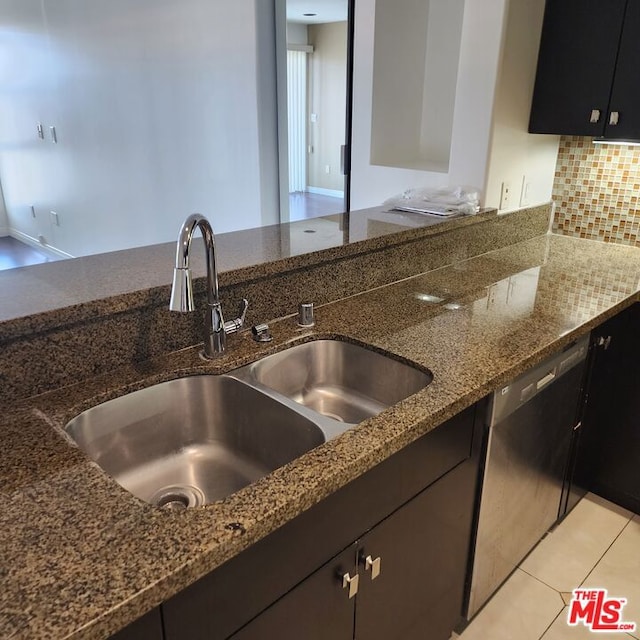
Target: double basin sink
point(194, 440)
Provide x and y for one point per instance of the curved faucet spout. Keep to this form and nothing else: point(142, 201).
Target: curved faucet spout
point(183, 248)
point(216, 328)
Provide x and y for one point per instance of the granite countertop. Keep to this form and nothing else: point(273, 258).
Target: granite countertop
point(82, 558)
point(103, 283)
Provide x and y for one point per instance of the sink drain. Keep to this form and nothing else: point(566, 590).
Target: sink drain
point(178, 497)
point(333, 416)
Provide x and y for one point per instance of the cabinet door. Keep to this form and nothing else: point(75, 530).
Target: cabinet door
point(422, 551)
point(576, 64)
point(149, 627)
point(319, 608)
point(211, 609)
point(625, 97)
point(610, 448)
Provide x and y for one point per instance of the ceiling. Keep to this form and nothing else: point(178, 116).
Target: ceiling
point(326, 10)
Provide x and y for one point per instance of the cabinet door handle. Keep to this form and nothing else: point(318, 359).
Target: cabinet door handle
point(373, 565)
point(351, 582)
point(604, 342)
point(614, 116)
point(595, 116)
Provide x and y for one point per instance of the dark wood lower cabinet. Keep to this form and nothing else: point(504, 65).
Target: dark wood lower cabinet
point(411, 587)
point(609, 452)
point(319, 608)
point(149, 627)
point(412, 514)
point(423, 549)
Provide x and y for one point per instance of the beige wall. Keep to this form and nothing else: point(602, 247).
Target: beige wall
point(327, 99)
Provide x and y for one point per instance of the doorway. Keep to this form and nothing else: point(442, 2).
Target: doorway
point(314, 157)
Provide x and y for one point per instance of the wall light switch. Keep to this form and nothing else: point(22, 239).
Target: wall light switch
point(40, 130)
point(33, 211)
point(314, 117)
point(55, 218)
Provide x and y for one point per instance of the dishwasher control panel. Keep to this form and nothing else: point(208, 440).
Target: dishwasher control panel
point(525, 387)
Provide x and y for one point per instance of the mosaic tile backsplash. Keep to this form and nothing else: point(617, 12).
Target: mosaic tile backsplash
point(597, 191)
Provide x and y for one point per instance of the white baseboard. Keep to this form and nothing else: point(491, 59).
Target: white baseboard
point(325, 192)
point(33, 242)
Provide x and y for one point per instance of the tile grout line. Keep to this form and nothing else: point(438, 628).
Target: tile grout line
point(606, 551)
point(564, 606)
point(541, 582)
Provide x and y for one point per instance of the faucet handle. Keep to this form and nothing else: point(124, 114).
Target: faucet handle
point(231, 326)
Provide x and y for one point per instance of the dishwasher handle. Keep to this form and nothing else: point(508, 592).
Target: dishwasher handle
point(545, 380)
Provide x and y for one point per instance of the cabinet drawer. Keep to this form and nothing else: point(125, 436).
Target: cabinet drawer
point(226, 599)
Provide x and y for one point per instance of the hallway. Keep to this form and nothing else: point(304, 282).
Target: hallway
point(14, 253)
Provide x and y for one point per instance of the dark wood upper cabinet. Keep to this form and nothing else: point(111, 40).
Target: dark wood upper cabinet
point(586, 82)
point(625, 95)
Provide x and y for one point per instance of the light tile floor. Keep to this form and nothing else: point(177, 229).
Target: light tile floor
point(597, 545)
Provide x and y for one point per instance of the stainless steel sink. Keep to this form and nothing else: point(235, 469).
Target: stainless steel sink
point(194, 440)
point(337, 379)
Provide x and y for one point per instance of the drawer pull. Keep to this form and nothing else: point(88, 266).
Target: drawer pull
point(351, 583)
point(373, 565)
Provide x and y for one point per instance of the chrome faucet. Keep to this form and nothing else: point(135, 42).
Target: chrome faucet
point(216, 329)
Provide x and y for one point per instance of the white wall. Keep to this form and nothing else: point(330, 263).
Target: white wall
point(444, 33)
point(516, 155)
point(159, 108)
point(475, 90)
point(416, 56)
point(4, 221)
point(267, 110)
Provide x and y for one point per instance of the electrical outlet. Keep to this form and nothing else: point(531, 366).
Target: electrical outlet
point(327, 168)
point(55, 218)
point(505, 196)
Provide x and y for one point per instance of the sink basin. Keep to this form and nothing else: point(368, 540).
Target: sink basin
point(337, 379)
point(194, 440)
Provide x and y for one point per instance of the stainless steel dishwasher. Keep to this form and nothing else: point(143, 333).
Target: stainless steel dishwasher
point(530, 426)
